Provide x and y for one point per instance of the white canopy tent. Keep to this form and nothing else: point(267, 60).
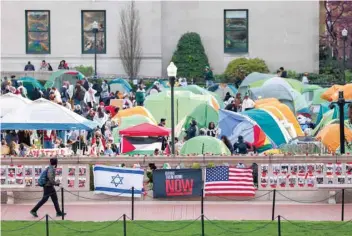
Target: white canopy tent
point(10, 102)
point(42, 114)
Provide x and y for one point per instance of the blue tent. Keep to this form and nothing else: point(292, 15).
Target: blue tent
point(120, 85)
point(30, 84)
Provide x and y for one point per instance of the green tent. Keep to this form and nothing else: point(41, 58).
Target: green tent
point(201, 91)
point(317, 96)
point(30, 83)
point(57, 78)
point(251, 78)
point(185, 102)
point(268, 124)
point(325, 120)
point(204, 145)
point(310, 88)
point(163, 84)
point(295, 84)
point(127, 122)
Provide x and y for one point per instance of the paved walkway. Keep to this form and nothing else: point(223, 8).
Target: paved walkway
point(109, 211)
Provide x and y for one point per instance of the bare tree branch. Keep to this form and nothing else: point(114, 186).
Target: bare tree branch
point(130, 49)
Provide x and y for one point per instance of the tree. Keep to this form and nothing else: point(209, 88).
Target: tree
point(130, 49)
point(190, 57)
point(241, 67)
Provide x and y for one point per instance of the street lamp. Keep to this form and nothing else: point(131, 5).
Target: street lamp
point(344, 38)
point(171, 73)
point(341, 102)
point(95, 28)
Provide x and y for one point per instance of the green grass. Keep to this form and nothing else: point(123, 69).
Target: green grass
point(248, 228)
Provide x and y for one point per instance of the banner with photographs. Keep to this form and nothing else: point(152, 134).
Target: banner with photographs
point(70, 177)
point(306, 176)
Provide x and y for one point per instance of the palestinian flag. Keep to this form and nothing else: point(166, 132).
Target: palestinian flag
point(140, 145)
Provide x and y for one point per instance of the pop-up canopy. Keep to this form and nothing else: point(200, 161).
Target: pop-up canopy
point(145, 129)
point(45, 115)
point(10, 102)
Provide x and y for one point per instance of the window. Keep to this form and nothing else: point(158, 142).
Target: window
point(37, 32)
point(236, 31)
point(88, 17)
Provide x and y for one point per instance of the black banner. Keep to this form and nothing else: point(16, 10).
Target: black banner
point(177, 183)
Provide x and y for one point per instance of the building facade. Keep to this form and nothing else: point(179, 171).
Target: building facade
point(283, 33)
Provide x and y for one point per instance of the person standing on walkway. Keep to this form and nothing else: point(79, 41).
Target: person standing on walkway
point(49, 190)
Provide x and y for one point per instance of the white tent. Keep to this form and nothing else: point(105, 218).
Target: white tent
point(42, 114)
point(10, 102)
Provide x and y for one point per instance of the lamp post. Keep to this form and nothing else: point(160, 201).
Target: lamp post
point(341, 102)
point(344, 38)
point(171, 73)
point(95, 28)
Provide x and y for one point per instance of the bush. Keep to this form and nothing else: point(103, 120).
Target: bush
point(86, 70)
point(196, 166)
point(223, 78)
point(241, 67)
point(190, 57)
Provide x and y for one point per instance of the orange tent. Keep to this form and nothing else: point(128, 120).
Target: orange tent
point(330, 136)
point(347, 93)
point(330, 92)
point(266, 100)
point(133, 111)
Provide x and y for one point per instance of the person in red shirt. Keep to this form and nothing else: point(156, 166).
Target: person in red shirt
point(113, 110)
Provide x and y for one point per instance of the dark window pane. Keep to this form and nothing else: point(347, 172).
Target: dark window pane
point(236, 39)
point(88, 42)
point(38, 42)
point(236, 31)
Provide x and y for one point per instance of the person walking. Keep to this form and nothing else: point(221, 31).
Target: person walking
point(48, 189)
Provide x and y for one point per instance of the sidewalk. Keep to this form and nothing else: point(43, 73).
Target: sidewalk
point(109, 211)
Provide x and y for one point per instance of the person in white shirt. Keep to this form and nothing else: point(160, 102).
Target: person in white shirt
point(89, 96)
point(22, 89)
point(305, 79)
point(247, 103)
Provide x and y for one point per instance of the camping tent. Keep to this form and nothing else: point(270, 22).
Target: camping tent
point(129, 121)
point(317, 96)
point(142, 138)
point(204, 145)
point(30, 83)
point(222, 89)
point(120, 85)
point(163, 84)
point(347, 93)
point(325, 120)
point(57, 78)
point(270, 125)
point(42, 114)
point(232, 125)
point(11, 102)
point(251, 78)
point(330, 136)
point(309, 91)
point(134, 111)
point(330, 92)
point(185, 102)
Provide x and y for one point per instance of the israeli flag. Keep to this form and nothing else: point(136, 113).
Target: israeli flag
point(118, 181)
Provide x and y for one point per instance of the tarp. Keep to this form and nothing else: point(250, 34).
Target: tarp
point(185, 102)
point(42, 114)
point(134, 111)
point(120, 85)
point(145, 130)
point(57, 78)
point(30, 83)
point(11, 102)
point(269, 124)
point(234, 124)
point(222, 89)
point(204, 145)
point(330, 136)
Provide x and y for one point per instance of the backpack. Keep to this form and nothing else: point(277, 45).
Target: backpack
point(43, 178)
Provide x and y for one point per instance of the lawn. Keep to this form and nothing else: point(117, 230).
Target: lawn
point(187, 228)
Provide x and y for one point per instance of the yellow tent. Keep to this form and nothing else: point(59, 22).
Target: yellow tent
point(347, 93)
point(284, 110)
point(331, 92)
point(266, 100)
point(134, 111)
point(274, 110)
point(330, 136)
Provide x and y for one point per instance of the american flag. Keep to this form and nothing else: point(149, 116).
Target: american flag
point(229, 181)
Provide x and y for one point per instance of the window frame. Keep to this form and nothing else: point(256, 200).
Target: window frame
point(82, 31)
point(236, 50)
point(27, 30)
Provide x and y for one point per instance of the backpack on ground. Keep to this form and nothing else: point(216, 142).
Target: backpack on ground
point(43, 178)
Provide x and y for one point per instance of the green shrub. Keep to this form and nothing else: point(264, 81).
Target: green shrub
point(86, 70)
point(210, 165)
point(190, 57)
point(223, 78)
point(241, 67)
point(195, 166)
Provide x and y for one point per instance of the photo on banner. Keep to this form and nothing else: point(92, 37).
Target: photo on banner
point(177, 183)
